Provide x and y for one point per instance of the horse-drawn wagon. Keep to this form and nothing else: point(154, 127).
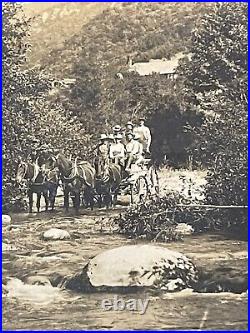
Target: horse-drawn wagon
point(141, 183)
point(84, 185)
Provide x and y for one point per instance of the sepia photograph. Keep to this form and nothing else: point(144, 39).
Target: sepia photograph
point(124, 166)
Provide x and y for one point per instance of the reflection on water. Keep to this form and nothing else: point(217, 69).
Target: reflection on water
point(38, 307)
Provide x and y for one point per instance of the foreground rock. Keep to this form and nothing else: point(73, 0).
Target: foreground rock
point(222, 279)
point(135, 266)
point(38, 280)
point(55, 234)
point(184, 229)
point(6, 219)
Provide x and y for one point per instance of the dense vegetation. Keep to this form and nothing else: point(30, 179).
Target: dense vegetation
point(203, 113)
point(30, 116)
point(99, 99)
point(215, 85)
point(217, 80)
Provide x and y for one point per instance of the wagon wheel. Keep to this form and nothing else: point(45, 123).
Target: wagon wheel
point(139, 191)
point(154, 181)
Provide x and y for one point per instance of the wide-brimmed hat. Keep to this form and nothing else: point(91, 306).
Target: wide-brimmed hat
point(142, 118)
point(129, 123)
point(116, 128)
point(111, 137)
point(103, 137)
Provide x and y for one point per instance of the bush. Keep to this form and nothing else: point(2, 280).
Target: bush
point(216, 83)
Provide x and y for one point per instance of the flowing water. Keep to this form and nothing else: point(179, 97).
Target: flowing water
point(35, 307)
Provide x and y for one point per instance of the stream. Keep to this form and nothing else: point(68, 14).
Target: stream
point(38, 307)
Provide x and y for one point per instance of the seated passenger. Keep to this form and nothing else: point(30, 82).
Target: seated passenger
point(134, 150)
point(102, 157)
point(117, 151)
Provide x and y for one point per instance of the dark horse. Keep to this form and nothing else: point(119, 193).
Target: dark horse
point(107, 183)
point(78, 178)
point(41, 179)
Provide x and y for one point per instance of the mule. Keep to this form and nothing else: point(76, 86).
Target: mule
point(42, 182)
point(107, 184)
point(77, 178)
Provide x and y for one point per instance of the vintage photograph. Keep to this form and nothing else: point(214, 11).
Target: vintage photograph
point(124, 176)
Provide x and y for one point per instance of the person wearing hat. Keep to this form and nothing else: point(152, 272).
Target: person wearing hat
point(102, 151)
point(117, 130)
point(128, 128)
point(134, 150)
point(117, 151)
point(144, 134)
point(111, 138)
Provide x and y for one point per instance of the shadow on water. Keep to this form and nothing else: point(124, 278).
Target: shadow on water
point(43, 307)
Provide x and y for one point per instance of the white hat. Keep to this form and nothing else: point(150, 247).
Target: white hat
point(130, 123)
point(111, 136)
point(103, 137)
point(117, 128)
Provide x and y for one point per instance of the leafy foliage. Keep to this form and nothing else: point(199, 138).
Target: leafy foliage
point(29, 114)
point(217, 84)
point(94, 56)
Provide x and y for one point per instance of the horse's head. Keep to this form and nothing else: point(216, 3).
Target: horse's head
point(103, 171)
point(21, 172)
point(64, 164)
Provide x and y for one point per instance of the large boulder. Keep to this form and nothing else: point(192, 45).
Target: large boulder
point(136, 266)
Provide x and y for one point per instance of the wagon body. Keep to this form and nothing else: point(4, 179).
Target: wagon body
point(141, 183)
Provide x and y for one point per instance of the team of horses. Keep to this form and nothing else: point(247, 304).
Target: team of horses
point(79, 179)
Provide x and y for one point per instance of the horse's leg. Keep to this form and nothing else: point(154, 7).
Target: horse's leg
point(38, 201)
point(91, 199)
point(66, 200)
point(114, 199)
point(108, 198)
point(77, 202)
point(85, 198)
point(46, 199)
point(100, 201)
point(30, 195)
point(53, 197)
point(73, 198)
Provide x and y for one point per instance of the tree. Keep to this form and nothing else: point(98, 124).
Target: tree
point(216, 82)
point(30, 114)
point(20, 89)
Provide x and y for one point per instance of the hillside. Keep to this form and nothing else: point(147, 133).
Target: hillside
point(53, 24)
point(140, 30)
point(100, 49)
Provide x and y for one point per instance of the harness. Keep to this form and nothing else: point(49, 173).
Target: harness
point(75, 173)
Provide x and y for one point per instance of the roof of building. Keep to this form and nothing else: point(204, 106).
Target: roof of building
point(160, 66)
